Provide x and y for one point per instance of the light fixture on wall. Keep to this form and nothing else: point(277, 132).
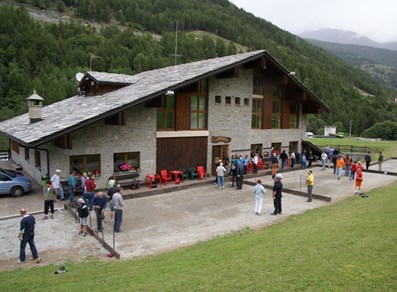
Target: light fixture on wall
point(169, 92)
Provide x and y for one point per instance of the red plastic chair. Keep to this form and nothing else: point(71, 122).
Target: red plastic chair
point(201, 172)
point(165, 176)
point(261, 164)
point(250, 167)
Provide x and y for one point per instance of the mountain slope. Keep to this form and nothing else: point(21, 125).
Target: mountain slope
point(345, 37)
point(379, 63)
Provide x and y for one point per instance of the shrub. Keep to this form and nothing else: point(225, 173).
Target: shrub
point(385, 130)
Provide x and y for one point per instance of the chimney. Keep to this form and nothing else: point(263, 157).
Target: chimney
point(35, 105)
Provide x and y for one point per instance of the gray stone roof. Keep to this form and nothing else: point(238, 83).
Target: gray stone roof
point(104, 77)
point(77, 111)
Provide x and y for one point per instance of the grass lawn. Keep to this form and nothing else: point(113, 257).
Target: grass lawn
point(347, 246)
point(388, 148)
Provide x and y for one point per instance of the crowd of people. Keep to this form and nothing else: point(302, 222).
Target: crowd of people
point(90, 201)
point(343, 166)
point(239, 165)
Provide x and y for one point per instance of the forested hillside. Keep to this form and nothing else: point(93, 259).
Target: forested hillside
point(46, 56)
point(379, 63)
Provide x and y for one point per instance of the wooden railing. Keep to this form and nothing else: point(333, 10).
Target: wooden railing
point(350, 148)
point(5, 155)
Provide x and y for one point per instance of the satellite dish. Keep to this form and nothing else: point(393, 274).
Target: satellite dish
point(79, 76)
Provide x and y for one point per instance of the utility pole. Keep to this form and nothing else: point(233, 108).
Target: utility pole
point(350, 128)
point(91, 58)
point(175, 54)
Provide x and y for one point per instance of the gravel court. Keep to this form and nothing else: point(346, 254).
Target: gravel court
point(57, 241)
point(168, 221)
point(190, 216)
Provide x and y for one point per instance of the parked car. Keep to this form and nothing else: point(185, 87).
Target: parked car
point(11, 171)
point(13, 183)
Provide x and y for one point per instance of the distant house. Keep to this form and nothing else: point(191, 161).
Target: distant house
point(170, 118)
point(329, 130)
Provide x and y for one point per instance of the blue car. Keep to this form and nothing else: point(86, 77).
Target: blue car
point(13, 183)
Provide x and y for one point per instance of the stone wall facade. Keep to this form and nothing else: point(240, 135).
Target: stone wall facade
point(234, 120)
point(138, 135)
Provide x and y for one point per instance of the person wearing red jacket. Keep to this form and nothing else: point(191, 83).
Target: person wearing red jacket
point(89, 191)
point(359, 180)
point(353, 169)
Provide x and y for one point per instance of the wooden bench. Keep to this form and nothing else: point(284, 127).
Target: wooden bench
point(128, 179)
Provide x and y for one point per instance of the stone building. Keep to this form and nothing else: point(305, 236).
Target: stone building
point(176, 117)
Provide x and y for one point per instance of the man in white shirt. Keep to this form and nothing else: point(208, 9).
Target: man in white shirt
point(324, 158)
point(256, 161)
point(56, 184)
point(118, 203)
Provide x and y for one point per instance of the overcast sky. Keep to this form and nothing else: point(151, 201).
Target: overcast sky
point(376, 19)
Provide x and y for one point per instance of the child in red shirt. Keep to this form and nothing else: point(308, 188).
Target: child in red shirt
point(359, 180)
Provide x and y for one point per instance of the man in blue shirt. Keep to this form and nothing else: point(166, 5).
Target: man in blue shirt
point(99, 204)
point(240, 172)
point(26, 235)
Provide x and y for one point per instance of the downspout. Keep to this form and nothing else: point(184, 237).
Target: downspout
point(9, 149)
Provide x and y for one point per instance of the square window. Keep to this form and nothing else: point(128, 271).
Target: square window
point(130, 158)
point(246, 101)
point(198, 112)
point(85, 163)
point(237, 101)
point(228, 100)
point(218, 99)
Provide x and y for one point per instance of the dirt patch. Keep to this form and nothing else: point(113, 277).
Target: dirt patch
point(57, 241)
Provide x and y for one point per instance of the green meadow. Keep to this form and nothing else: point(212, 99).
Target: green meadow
point(388, 148)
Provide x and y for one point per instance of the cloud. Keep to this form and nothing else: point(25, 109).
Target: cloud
point(374, 19)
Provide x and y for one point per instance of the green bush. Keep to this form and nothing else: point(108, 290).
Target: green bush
point(385, 130)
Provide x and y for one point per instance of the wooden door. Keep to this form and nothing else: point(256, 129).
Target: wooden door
point(218, 153)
